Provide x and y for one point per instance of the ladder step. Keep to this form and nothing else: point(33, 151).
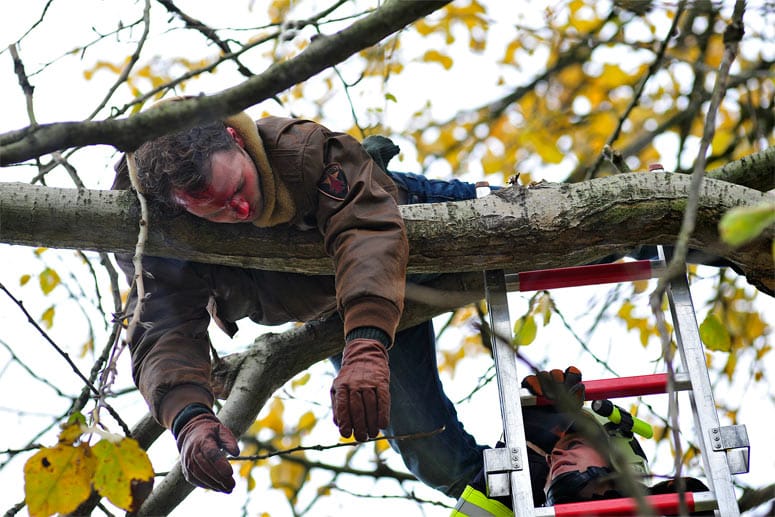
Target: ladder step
point(634, 386)
point(665, 504)
point(584, 275)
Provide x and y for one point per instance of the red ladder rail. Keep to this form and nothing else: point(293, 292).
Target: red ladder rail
point(584, 275)
point(663, 504)
point(634, 386)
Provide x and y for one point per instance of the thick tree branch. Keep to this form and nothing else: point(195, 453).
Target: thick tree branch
point(127, 134)
point(518, 228)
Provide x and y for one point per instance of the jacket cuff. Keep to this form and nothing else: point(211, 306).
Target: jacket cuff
point(178, 398)
point(369, 333)
point(372, 312)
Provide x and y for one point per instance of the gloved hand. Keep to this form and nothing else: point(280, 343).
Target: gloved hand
point(200, 442)
point(360, 394)
point(550, 384)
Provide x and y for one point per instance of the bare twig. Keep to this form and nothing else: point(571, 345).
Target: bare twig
point(655, 65)
point(142, 237)
point(66, 356)
point(732, 37)
point(412, 436)
point(27, 88)
point(132, 60)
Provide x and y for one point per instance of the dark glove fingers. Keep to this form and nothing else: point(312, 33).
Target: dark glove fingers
point(572, 376)
point(532, 384)
point(557, 376)
point(383, 406)
point(194, 472)
point(371, 411)
point(358, 411)
point(546, 383)
point(209, 472)
point(227, 441)
point(341, 405)
point(220, 469)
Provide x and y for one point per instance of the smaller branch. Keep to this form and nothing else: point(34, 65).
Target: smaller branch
point(32, 373)
point(14, 452)
point(412, 436)
point(27, 88)
point(677, 265)
point(207, 32)
point(65, 355)
point(655, 65)
point(142, 238)
point(132, 60)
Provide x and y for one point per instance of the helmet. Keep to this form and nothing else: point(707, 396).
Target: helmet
point(574, 486)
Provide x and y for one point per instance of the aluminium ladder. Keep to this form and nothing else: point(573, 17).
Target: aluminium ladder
point(724, 450)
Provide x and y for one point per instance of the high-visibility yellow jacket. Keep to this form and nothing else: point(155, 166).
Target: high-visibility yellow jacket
point(473, 503)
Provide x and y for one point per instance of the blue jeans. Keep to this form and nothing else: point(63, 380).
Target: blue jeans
point(449, 460)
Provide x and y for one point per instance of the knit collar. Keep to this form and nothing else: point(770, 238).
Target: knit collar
point(278, 205)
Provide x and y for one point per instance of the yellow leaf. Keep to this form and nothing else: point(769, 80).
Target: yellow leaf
point(39, 251)
point(289, 477)
point(24, 279)
point(307, 421)
point(381, 446)
point(525, 330)
point(273, 421)
point(49, 279)
point(434, 56)
point(300, 380)
point(714, 334)
point(544, 307)
point(123, 474)
point(87, 347)
point(48, 317)
point(72, 429)
point(640, 286)
point(58, 479)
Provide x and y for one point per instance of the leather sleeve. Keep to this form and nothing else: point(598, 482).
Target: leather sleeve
point(365, 235)
point(171, 348)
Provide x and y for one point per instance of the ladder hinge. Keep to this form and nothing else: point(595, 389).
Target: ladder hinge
point(732, 439)
point(498, 463)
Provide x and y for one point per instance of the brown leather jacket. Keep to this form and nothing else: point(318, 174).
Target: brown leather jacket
point(363, 232)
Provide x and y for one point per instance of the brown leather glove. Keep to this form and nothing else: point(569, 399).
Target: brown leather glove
point(200, 442)
point(549, 384)
point(360, 394)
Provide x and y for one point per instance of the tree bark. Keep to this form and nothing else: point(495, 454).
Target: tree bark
point(518, 228)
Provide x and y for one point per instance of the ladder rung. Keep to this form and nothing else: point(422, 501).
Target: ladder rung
point(665, 504)
point(584, 275)
point(634, 386)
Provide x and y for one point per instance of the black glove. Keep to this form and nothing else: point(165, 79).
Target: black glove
point(550, 384)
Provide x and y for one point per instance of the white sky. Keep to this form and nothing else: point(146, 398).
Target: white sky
point(62, 94)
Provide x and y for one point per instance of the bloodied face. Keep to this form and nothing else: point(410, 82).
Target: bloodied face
point(232, 195)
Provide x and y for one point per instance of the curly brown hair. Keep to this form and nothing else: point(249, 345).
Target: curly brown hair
point(177, 161)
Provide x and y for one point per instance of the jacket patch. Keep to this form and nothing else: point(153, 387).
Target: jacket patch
point(334, 182)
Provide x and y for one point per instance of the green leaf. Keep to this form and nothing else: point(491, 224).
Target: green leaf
point(714, 334)
point(72, 429)
point(743, 224)
point(58, 479)
point(525, 330)
point(124, 473)
point(390, 97)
